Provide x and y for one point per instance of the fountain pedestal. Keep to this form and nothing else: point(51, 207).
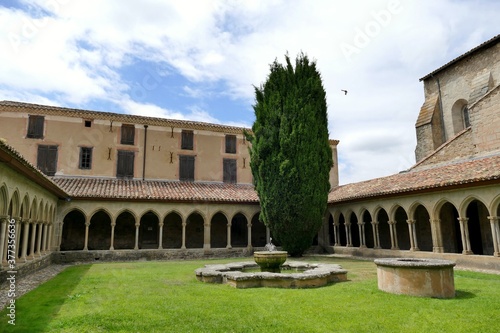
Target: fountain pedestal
point(270, 261)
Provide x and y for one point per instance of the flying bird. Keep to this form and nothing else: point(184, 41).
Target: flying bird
point(345, 92)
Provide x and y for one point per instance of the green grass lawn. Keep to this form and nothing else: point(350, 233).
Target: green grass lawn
point(166, 297)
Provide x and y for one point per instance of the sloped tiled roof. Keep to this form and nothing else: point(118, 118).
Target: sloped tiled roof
point(98, 188)
point(427, 110)
point(480, 171)
point(16, 161)
point(124, 118)
point(490, 42)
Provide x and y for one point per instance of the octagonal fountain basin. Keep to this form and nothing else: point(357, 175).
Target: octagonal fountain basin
point(416, 277)
point(298, 275)
point(270, 261)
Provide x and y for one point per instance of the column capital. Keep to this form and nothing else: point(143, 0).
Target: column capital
point(184, 224)
point(113, 224)
point(16, 218)
point(435, 220)
point(463, 219)
point(391, 222)
point(160, 224)
point(87, 224)
point(374, 222)
point(492, 219)
point(411, 221)
point(26, 221)
point(361, 223)
point(137, 224)
point(4, 219)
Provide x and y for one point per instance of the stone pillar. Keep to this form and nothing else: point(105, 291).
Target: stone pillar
point(136, 245)
point(249, 235)
point(59, 235)
point(206, 235)
point(464, 230)
point(362, 239)
point(376, 235)
point(437, 241)
point(18, 235)
point(348, 234)
point(394, 235)
point(39, 239)
point(112, 245)
point(4, 220)
point(44, 238)
point(183, 235)
point(86, 242)
point(31, 255)
point(413, 235)
point(160, 236)
point(229, 246)
point(26, 228)
point(336, 234)
point(49, 236)
point(495, 234)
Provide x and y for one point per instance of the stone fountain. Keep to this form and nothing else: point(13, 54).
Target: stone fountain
point(270, 260)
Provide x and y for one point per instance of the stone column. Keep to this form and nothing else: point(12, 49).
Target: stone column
point(86, 242)
point(464, 230)
point(49, 236)
point(437, 245)
point(229, 246)
point(376, 235)
point(26, 228)
point(4, 220)
point(249, 235)
point(31, 255)
point(112, 245)
point(206, 235)
point(394, 236)
point(413, 235)
point(348, 234)
point(362, 239)
point(39, 239)
point(495, 234)
point(183, 235)
point(137, 225)
point(59, 235)
point(44, 238)
point(160, 236)
point(336, 234)
point(18, 235)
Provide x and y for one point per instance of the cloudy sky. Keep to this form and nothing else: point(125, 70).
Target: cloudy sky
point(199, 60)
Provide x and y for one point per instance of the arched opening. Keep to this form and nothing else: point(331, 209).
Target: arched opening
point(99, 231)
point(258, 232)
point(402, 231)
point(481, 240)
point(423, 228)
point(342, 231)
point(367, 219)
point(148, 231)
point(218, 231)
point(450, 229)
point(383, 229)
point(239, 231)
point(124, 231)
point(4, 200)
point(194, 231)
point(172, 231)
point(354, 230)
point(73, 232)
point(460, 116)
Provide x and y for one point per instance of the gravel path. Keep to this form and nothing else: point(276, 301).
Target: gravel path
point(30, 282)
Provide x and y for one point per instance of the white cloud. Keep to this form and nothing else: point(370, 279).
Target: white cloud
point(78, 54)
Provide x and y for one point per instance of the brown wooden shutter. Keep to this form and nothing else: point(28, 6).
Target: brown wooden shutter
point(128, 134)
point(125, 164)
point(229, 171)
point(231, 144)
point(35, 127)
point(47, 159)
point(187, 140)
point(186, 168)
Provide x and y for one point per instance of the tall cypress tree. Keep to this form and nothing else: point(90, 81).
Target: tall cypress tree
point(290, 154)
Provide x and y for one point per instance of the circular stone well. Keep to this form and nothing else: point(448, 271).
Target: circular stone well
point(416, 277)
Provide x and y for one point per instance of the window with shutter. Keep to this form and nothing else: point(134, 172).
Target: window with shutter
point(35, 127)
point(186, 168)
point(229, 171)
point(187, 140)
point(125, 164)
point(128, 134)
point(85, 158)
point(47, 159)
point(231, 144)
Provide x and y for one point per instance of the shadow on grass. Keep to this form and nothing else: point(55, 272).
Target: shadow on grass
point(36, 309)
point(460, 294)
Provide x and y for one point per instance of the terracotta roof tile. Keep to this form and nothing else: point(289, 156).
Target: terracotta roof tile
point(93, 188)
point(438, 178)
point(11, 106)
